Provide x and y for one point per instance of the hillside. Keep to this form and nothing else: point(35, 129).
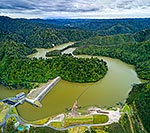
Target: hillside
point(101, 26)
point(142, 35)
point(18, 71)
point(107, 40)
point(133, 49)
point(136, 54)
point(36, 35)
point(118, 39)
point(124, 39)
point(139, 100)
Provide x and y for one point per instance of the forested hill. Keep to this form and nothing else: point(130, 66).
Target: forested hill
point(139, 99)
point(136, 54)
point(118, 39)
point(142, 35)
point(38, 35)
point(130, 48)
point(102, 26)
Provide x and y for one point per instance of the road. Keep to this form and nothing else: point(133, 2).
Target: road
point(113, 116)
point(3, 123)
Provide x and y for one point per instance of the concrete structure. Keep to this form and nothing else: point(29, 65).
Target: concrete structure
point(20, 95)
point(74, 109)
point(36, 95)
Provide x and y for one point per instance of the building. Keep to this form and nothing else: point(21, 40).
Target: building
point(20, 95)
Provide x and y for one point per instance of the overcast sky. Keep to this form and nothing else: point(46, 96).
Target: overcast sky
point(75, 8)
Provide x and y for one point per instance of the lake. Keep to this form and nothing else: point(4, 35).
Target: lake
point(110, 90)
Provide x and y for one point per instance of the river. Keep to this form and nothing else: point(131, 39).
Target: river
point(113, 88)
point(42, 52)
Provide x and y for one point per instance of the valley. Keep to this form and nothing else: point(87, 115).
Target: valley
point(101, 68)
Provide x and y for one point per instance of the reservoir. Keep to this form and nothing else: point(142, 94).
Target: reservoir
point(7, 92)
point(109, 91)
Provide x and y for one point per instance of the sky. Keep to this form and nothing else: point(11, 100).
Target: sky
point(75, 8)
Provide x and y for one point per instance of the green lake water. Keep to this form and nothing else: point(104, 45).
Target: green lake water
point(6, 92)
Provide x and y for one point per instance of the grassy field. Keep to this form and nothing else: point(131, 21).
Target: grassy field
point(3, 111)
point(13, 111)
point(126, 109)
point(95, 119)
point(98, 119)
point(1, 106)
point(78, 120)
point(77, 130)
point(40, 122)
point(57, 124)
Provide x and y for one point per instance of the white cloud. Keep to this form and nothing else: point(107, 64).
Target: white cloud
point(75, 8)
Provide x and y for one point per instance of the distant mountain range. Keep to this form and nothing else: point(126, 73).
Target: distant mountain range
point(43, 33)
point(102, 26)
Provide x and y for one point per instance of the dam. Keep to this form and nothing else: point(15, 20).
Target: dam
point(36, 95)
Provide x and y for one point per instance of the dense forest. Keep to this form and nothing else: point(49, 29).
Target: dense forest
point(125, 39)
point(11, 49)
point(135, 53)
point(118, 39)
point(18, 71)
point(35, 35)
point(45, 33)
point(139, 97)
point(106, 40)
point(133, 49)
point(101, 26)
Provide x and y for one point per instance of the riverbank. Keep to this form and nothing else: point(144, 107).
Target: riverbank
point(41, 52)
point(107, 92)
point(94, 117)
